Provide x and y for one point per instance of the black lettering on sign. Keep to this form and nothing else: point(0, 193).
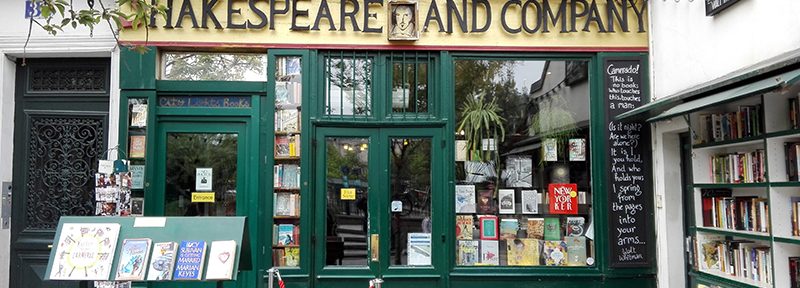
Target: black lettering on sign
point(630, 191)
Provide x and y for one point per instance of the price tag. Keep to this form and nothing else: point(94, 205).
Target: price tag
point(348, 193)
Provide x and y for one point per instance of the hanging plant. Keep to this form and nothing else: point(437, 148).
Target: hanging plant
point(553, 121)
point(480, 119)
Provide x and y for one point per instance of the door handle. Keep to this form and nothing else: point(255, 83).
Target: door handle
point(374, 247)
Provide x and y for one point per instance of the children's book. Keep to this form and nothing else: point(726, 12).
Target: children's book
point(467, 252)
point(190, 260)
point(139, 115)
point(555, 253)
point(133, 259)
point(221, 258)
point(162, 261)
point(464, 227)
point(465, 198)
point(490, 252)
point(85, 251)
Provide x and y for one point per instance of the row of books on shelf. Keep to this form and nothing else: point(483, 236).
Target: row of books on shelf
point(571, 251)
point(528, 202)
point(286, 204)
point(286, 176)
point(285, 235)
point(547, 228)
point(792, 152)
point(746, 121)
point(288, 92)
point(286, 256)
point(740, 167)
point(287, 145)
point(745, 213)
point(741, 259)
point(287, 120)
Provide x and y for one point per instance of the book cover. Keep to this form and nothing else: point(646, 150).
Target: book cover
point(523, 252)
point(419, 249)
point(284, 204)
point(465, 199)
point(550, 149)
point(577, 149)
point(467, 252)
point(162, 261)
point(282, 148)
point(488, 227)
point(508, 228)
point(536, 228)
point(555, 253)
point(518, 172)
point(576, 250)
point(486, 203)
point(221, 257)
point(708, 252)
point(287, 120)
point(137, 176)
point(286, 234)
point(461, 150)
point(137, 146)
point(506, 199)
point(552, 228)
point(133, 259)
point(490, 250)
point(291, 256)
point(190, 260)
point(139, 115)
point(464, 227)
point(530, 201)
point(563, 198)
point(575, 226)
point(85, 251)
point(478, 172)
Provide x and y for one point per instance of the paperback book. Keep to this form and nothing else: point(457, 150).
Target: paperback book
point(221, 259)
point(133, 259)
point(555, 253)
point(536, 228)
point(576, 250)
point(85, 251)
point(162, 261)
point(464, 227)
point(530, 201)
point(190, 260)
point(506, 199)
point(552, 228)
point(523, 252)
point(465, 199)
point(490, 252)
point(508, 228)
point(467, 252)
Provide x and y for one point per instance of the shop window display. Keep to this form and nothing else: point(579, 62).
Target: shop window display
point(522, 193)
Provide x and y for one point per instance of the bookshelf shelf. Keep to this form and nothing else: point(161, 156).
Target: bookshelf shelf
point(727, 280)
point(783, 133)
point(785, 184)
point(730, 185)
point(788, 239)
point(735, 233)
point(288, 158)
point(731, 143)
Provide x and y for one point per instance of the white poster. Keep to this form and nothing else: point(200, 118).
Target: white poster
point(419, 249)
point(137, 176)
point(203, 179)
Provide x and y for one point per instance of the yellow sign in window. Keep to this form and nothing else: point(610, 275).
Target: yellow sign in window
point(348, 193)
point(207, 197)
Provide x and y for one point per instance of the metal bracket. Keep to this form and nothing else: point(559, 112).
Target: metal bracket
point(5, 202)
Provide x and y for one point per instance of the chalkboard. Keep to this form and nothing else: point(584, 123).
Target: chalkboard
point(628, 167)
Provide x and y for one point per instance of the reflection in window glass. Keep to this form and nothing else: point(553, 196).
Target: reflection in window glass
point(523, 194)
point(347, 215)
point(410, 172)
point(409, 86)
point(194, 66)
point(348, 84)
point(210, 156)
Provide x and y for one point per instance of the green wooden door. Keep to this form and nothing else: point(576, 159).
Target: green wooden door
point(204, 155)
point(379, 210)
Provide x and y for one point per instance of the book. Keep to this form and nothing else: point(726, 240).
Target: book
point(221, 259)
point(478, 172)
point(708, 255)
point(137, 146)
point(575, 226)
point(461, 150)
point(576, 250)
point(287, 120)
point(139, 115)
point(464, 227)
point(577, 149)
point(285, 204)
point(137, 176)
point(286, 234)
point(536, 228)
point(555, 253)
point(488, 227)
point(563, 198)
point(530, 201)
point(85, 251)
point(518, 172)
point(486, 203)
point(490, 252)
point(162, 261)
point(291, 256)
point(419, 249)
point(465, 199)
point(467, 252)
point(794, 272)
point(550, 149)
point(508, 228)
point(133, 259)
point(506, 201)
point(190, 260)
point(552, 228)
point(523, 252)
point(282, 148)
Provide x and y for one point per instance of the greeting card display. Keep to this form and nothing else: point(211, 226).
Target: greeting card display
point(84, 251)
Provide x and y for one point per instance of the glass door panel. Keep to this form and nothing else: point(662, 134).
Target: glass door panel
point(410, 181)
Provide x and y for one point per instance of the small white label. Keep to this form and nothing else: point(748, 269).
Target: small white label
point(397, 206)
point(105, 167)
point(141, 222)
point(203, 179)
point(590, 261)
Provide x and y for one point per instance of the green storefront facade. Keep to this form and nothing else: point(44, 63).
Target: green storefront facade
point(374, 157)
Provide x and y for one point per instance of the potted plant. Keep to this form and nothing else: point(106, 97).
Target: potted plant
point(480, 119)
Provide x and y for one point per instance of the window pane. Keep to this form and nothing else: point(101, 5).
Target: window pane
point(410, 180)
point(188, 156)
point(409, 86)
point(523, 194)
point(347, 218)
point(213, 66)
point(348, 84)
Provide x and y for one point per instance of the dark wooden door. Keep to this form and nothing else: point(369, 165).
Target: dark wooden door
point(60, 132)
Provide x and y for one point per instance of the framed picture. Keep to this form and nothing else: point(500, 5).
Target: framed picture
point(505, 197)
point(403, 24)
point(488, 227)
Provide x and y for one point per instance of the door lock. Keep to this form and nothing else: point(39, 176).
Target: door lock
point(5, 205)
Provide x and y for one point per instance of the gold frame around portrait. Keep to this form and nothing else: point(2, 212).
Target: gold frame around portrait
point(390, 26)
